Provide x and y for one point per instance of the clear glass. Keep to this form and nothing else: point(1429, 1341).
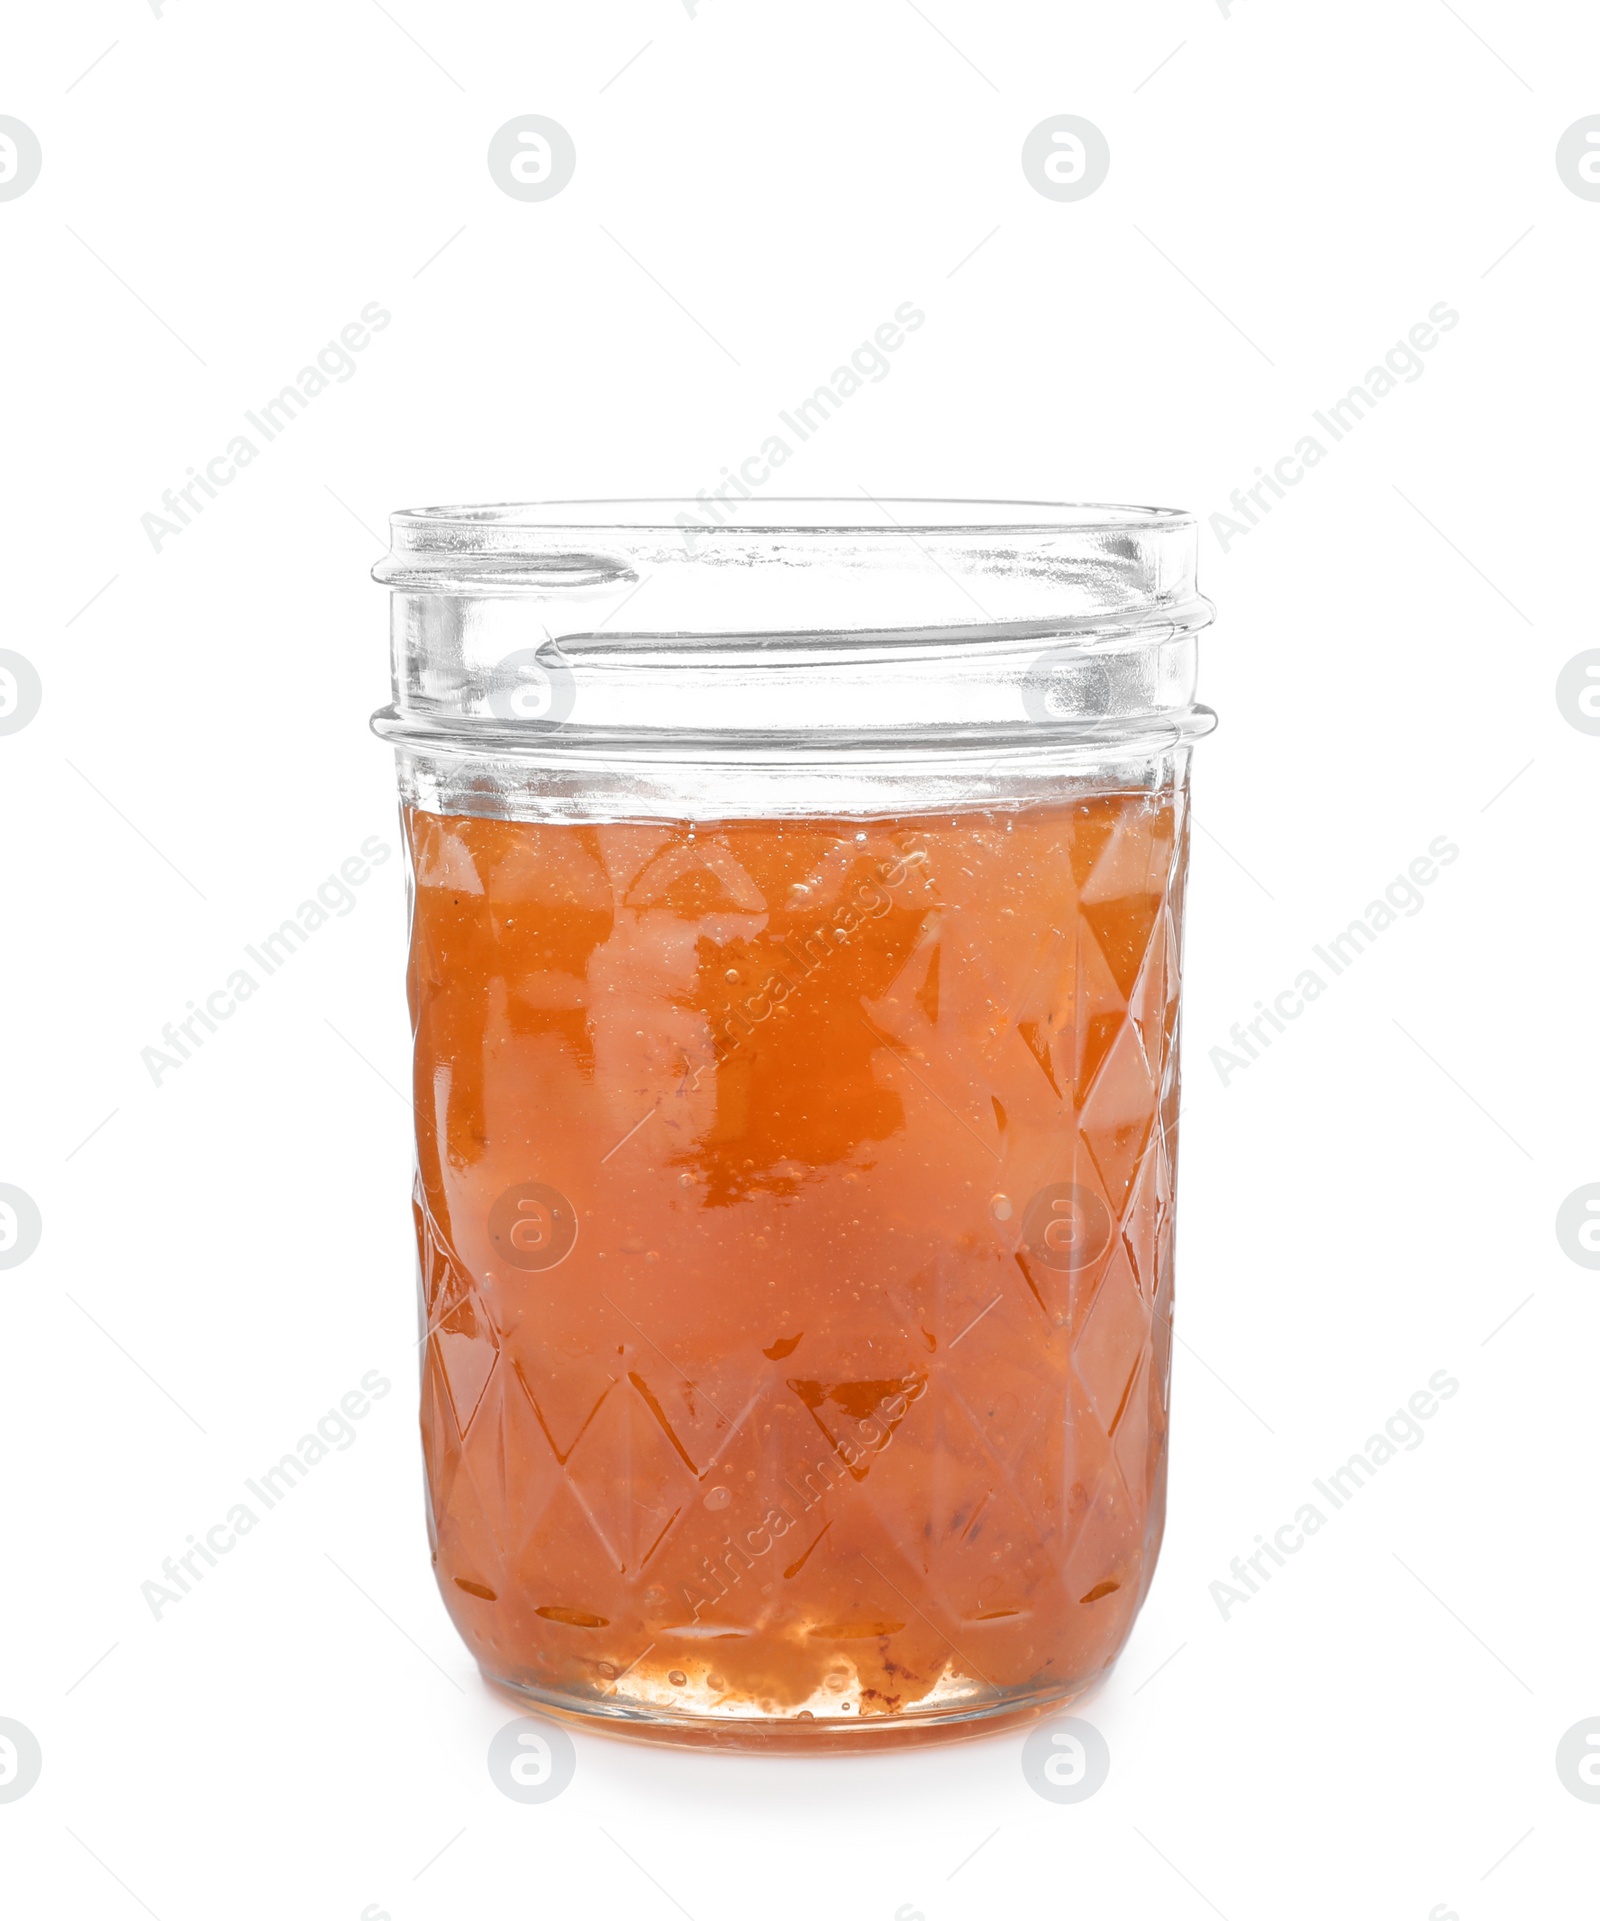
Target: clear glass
point(796, 922)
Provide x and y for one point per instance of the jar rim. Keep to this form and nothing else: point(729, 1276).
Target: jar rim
point(809, 565)
point(417, 528)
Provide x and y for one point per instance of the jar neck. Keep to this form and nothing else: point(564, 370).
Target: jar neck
point(807, 648)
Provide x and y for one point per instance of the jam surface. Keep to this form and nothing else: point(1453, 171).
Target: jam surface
point(795, 1216)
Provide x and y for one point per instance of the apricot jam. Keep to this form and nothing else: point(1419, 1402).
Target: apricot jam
point(795, 1217)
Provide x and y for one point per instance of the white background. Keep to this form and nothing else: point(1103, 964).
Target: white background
point(1369, 1202)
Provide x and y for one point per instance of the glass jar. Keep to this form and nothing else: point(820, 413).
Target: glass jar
point(795, 917)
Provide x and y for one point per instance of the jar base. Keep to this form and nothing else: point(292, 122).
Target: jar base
point(796, 1733)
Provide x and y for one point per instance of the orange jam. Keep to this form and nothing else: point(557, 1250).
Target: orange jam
point(794, 1208)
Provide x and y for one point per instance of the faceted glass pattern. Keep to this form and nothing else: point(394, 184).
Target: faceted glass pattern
point(795, 1215)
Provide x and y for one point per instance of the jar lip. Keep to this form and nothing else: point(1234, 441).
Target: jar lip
point(821, 515)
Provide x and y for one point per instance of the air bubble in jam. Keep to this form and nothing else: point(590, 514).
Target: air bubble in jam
point(822, 1390)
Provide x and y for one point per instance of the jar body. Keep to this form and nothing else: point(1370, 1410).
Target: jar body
point(795, 1220)
point(796, 1136)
